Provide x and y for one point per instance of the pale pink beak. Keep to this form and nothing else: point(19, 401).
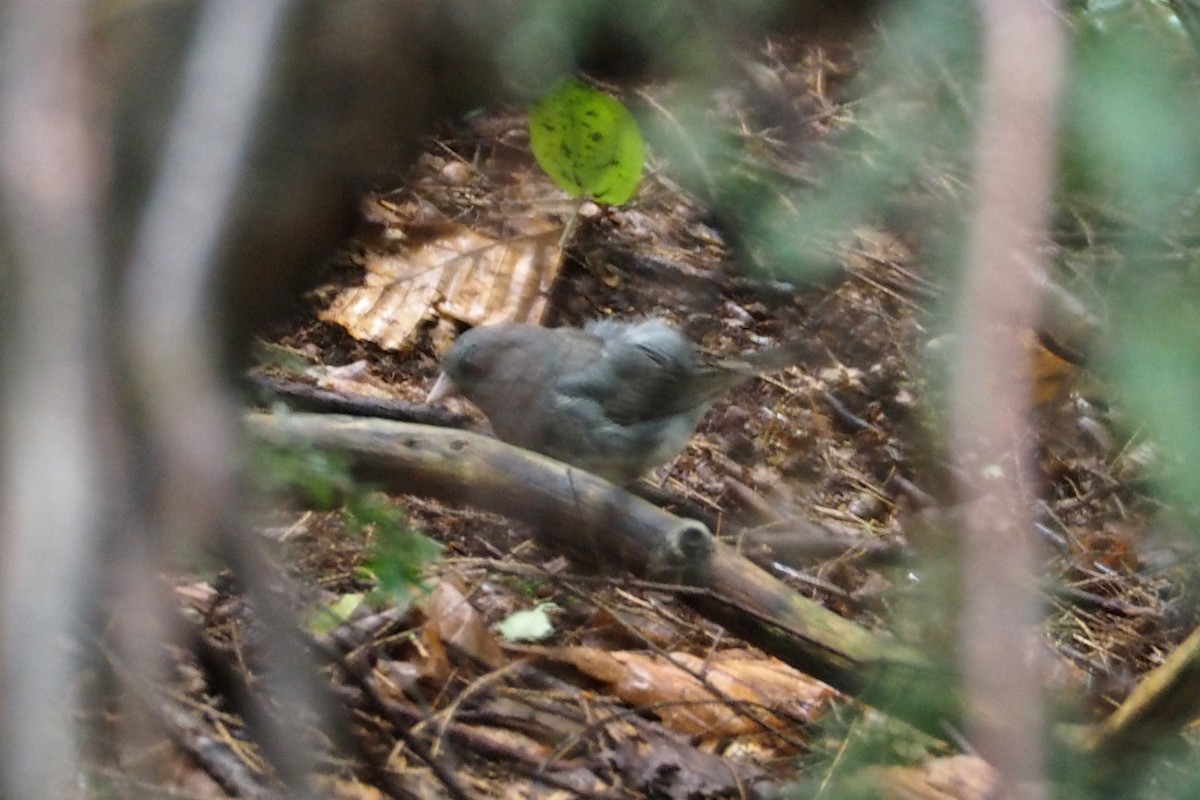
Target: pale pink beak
point(443, 387)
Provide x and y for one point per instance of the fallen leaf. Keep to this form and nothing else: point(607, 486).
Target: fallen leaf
point(450, 269)
point(669, 687)
point(952, 778)
point(456, 622)
point(529, 625)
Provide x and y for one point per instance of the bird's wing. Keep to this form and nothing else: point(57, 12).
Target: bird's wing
point(650, 371)
point(580, 431)
point(642, 373)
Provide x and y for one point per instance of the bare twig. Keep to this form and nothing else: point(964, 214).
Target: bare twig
point(1023, 55)
point(589, 517)
point(168, 296)
point(49, 470)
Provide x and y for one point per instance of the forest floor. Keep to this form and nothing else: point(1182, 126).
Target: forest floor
point(831, 475)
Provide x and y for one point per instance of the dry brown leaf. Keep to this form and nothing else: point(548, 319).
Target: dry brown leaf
point(668, 687)
point(953, 778)
point(423, 660)
point(456, 271)
point(455, 621)
point(1052, 376)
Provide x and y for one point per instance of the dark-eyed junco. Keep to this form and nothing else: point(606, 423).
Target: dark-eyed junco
point(616, 398)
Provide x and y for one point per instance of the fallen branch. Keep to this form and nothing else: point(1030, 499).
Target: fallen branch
point(1165, 701)
point(594, 520)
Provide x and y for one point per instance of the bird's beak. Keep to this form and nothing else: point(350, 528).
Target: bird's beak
point(443, 387)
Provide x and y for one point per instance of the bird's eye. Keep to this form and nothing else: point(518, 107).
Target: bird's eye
point(471, 365)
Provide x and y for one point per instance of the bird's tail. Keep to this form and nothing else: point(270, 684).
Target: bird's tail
point(772, 359)
point(725, 373)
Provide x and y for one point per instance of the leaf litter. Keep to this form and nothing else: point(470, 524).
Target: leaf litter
point(635, 691)
point(446, 269)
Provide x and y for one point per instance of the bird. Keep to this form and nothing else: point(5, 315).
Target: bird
point(616, 398)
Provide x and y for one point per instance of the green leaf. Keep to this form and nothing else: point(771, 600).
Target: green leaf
point(327, 618)
point(532, 625)
point(320, 477)
point(398, 554)
point(588, 143)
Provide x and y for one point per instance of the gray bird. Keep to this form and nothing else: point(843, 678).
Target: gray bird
point(616, 398)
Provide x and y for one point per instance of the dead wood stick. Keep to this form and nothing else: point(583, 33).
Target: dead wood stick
point(218, 760)
point(590, 518)
point(1164, 702)
point(303, 396)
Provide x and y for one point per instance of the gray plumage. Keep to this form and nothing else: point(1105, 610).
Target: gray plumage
point(616, 398)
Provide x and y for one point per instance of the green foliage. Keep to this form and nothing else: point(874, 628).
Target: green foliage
point(530, 587)
point(1131, 133)
point(1126, 228)
point(588, 143)
point(1131, 172)
point(281, 357)
point(918, 92)
point(529, 625)
point(319, 478)
point(846, 740)
point(326, 619)
point(398, 553)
